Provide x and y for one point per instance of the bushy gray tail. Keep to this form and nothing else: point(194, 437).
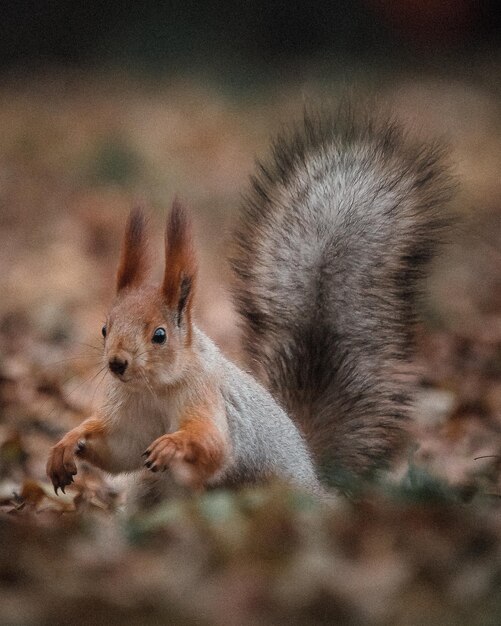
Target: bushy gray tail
point(333, 239)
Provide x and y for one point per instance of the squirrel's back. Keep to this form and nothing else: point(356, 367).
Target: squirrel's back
point(330, 248)
point(269, 444)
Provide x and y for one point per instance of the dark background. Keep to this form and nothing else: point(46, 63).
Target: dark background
point(258, 35)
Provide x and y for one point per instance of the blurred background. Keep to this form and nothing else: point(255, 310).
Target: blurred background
point(243, 42)
point(104, 105)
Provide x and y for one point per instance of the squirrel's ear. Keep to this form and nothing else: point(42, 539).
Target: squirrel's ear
point(134, 262)
point(180, 261)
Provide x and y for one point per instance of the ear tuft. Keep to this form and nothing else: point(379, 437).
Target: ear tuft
point(180, 261)
point(134, 261)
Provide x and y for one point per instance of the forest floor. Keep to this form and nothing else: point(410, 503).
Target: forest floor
point(422, 545)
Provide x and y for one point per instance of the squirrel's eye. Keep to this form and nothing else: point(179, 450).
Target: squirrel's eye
point(159, 336)
point(103, 330)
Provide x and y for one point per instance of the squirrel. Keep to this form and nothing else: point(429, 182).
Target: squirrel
point(329, 253)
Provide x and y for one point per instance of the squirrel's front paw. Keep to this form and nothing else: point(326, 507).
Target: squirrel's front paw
point(61, 465)
point(192, 461)
point(162, 452)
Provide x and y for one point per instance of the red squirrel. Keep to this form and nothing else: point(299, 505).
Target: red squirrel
point(332, 242)
point(174, 401)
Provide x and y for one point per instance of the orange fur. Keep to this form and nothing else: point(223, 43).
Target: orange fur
point(61, 465)
point(195, 452)
point(180, 262)
point(134, 262)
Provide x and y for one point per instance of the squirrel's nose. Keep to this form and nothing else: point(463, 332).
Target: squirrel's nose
point(118, 366)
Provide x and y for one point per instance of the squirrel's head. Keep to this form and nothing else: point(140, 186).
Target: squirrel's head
point(148, 331)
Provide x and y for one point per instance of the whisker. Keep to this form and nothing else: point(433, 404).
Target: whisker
point(64, 382)
point(153, 394)
point(74, 358)
point(88, 345)
point(98, 385)
point(86, 380)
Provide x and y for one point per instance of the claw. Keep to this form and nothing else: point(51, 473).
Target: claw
point(154, 468)
point(62, 489)
point(146, 453)
point(80, 447)
point(56, 487)
point(148, 464)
